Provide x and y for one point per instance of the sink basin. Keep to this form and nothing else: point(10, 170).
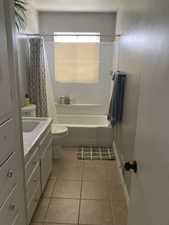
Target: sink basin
point(29, 125)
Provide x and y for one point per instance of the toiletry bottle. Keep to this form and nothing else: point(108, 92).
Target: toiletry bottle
point(27, 100)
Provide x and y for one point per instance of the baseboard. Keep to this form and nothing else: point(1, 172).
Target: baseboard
point(119, 166)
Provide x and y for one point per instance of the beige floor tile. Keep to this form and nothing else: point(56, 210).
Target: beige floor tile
point(99, 163)
point(70, 154)
point(58, 164)
point(36, 224)
point(67, 189)
point(120, 212)
point(49, 188)
point(95, 174)
point(117, 193)
point(113, 175)
point(41, 210)
point(95, 212)
point(63, 211)
point(72, 173)
point(95, 190)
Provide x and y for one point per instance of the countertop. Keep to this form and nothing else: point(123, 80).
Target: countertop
point(31, 138)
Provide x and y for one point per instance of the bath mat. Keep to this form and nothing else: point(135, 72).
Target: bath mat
point(95, 153)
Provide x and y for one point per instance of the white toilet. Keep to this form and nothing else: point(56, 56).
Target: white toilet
point(58, 132)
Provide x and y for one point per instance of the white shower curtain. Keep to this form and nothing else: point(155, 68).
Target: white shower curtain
point(51, 105)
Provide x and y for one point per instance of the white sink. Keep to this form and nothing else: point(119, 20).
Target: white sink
point(29, 125)
point(33, 129)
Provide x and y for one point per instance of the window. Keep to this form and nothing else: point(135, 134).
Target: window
point(77, 57)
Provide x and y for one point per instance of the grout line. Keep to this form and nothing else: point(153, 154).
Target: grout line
point(80, 194)
point(80, 198)
point(44, 222)
point(53, 223)
point(50, 199)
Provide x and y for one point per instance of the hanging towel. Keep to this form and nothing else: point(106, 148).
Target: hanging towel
point(116, 104)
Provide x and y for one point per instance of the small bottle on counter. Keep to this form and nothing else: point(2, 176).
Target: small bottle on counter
point(27, 100)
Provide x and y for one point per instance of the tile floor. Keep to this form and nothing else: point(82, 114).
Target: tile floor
point(82, 192)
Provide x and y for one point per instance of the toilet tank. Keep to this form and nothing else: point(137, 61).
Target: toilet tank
point(29, 111)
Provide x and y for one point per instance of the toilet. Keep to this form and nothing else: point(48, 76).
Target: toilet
point(58, 132)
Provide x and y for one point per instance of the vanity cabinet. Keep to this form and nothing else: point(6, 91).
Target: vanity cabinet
point(33, 182)
point(7, 139)
point(46, 158)
point(10, 210)
point(46, 164)
point(8, 177)
point(37, 172)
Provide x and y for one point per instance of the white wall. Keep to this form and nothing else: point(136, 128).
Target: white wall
point(77, 22)
point(77, 5)
point(99, 92)
point(32, 20)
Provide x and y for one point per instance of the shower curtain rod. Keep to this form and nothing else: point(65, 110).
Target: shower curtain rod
point(54, 35)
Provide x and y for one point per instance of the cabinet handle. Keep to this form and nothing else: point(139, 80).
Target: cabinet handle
point(12, 207)
point(10, 174)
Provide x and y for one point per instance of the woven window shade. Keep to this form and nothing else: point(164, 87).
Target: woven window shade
point(77, 62)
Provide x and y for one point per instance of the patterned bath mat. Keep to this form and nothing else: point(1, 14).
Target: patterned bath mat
point(95, 153)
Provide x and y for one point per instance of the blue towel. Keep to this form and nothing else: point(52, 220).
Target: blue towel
point(115, 114)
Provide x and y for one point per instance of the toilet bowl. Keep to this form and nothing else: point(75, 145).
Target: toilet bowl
point(58, 132)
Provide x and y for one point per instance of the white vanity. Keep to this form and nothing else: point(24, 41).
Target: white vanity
point(38, 159)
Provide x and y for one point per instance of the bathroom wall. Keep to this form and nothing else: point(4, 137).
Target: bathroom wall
point(50, 22)
point(32, 20)
point(144, 57)
point(129, 62)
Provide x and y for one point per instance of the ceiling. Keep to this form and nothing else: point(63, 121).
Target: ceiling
point(76, 5)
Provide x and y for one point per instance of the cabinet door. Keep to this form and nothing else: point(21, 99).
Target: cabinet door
point(5, 89)
point(46, 164)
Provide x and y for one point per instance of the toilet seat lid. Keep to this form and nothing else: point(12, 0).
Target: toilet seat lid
point(56, 129)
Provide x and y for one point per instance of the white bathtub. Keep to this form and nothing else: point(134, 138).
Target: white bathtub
point(82, 121)
point(85, 130)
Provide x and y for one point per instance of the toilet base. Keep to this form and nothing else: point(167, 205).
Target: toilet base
point(57, 151)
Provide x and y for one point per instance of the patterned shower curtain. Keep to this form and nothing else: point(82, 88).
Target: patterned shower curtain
point(37, 76)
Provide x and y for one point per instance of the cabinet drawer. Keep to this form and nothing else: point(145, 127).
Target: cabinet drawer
point(33, 183)
point(46, 164)
point(46, 139)
point(33, 203)
point(8, 177)
point(10, 209)
point(7, 140)
point(31, 164)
